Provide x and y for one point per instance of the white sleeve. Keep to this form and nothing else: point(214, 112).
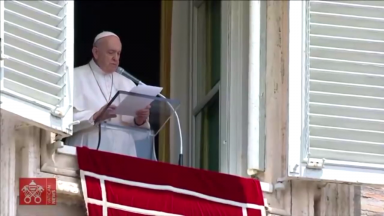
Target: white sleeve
point(85, 117)
point(130, 121)
point(81, 91)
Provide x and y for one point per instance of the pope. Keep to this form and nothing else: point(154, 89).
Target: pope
point(95, 84)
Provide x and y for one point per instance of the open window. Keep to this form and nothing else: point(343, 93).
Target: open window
point(336, 97)
point(140, 56)
point(206, 83)
point(214, 81)
point(37, 70)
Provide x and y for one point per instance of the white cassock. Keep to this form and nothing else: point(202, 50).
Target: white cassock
point(92, 90)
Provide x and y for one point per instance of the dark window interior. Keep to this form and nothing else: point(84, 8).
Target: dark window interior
point(137, 23)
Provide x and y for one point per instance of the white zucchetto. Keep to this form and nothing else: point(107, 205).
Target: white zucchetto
point(103, 35)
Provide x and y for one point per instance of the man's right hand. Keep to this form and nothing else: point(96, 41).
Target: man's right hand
point(107, 114)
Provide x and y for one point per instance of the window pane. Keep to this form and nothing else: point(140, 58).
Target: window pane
point(201, 51)
point(214, 43)
point(207, 136)
point(207, 37)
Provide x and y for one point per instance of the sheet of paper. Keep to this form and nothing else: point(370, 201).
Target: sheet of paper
point(131, 104)
point(147, 90)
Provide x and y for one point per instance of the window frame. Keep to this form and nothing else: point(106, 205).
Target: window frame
point(238, 134)
point(333, 171)
point(198, 105)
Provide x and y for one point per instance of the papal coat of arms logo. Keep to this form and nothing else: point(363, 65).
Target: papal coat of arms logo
point(37, 191)
point(32, 191)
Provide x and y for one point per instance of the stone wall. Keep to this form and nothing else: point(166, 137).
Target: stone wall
point(372, 201)
point(66, 206)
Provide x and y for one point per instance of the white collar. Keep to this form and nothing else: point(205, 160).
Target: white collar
point(97, 69)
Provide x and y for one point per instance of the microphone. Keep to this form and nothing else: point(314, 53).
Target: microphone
point(139, 82)
point(128, 75)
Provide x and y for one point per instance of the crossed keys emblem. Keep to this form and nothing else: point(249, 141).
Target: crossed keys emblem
point(32, 191)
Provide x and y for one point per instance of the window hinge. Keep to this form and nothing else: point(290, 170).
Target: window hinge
point(71, 124)
point(315, 163)
point(60, 112)
point(1, 51)
point(3, 57)
point(57, 112)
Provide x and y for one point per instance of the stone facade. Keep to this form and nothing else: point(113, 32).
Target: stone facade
point(298, 198)
point(372, 201)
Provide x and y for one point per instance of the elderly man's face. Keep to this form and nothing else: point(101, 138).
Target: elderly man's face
point(107, 53)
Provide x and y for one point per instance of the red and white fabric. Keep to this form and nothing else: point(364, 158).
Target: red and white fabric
point(119, 185)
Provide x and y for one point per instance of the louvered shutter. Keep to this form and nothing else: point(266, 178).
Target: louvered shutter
point(336, 91)
point(346, 80)
point(37, 42)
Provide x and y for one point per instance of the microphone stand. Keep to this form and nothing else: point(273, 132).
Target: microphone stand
point(178, 125)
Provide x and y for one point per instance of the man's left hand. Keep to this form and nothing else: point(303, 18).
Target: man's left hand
point(142, 115)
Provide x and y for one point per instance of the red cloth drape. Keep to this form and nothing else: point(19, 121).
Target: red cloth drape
point(121, 185)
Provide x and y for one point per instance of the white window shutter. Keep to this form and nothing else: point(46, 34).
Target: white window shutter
point(37, 73)
point(342, 91)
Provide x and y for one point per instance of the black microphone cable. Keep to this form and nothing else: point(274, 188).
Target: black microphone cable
point(99, 140)
point(99, 123)
point(99, 126)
